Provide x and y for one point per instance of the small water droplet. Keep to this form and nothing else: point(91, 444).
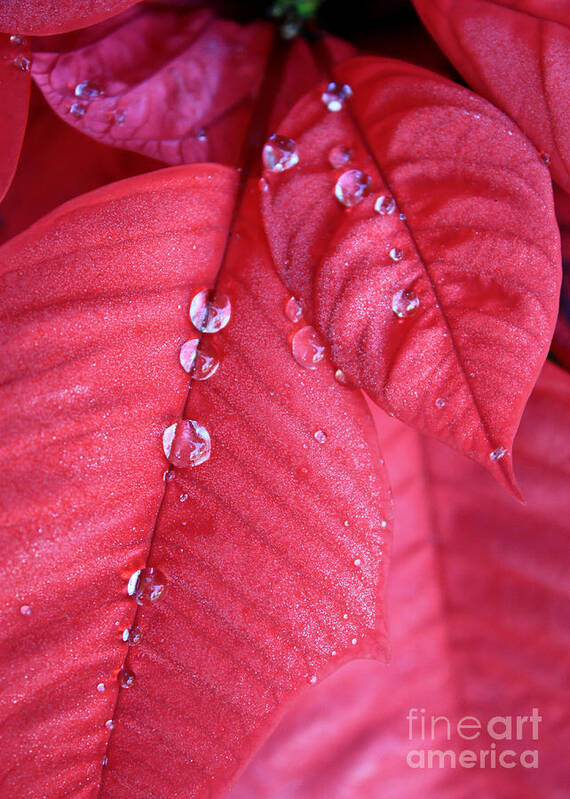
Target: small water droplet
point(263, 185)
point(354, 641)
point(279, 153)
point(110, 725)
point(383, 523)
point(385, 205)
point(210, 311)
point(306, 347)
point(395, 254)
point(333, 653)
point(202, 135)
point(183, 497)
point(312, 679)
point(440, 402)
point(335, 95)
point(357, 562)
point(340, 377)
point(293, 310)
point(22, 63)
point(545, 157)
point(77, 110)
point(498, 453)
point(126, 678)
point(339, 156)
point(405, 302)
point(101, 687)
point(87, 90)
point(351, 187)
point(200, 358)
point(132, 635)
point(320, 436)
point(403, 216)
point(17, 40)
point(346, 523)
point(186, 443)
point(146, 586)
point(25, 610)
point(345, 616)
point(168, 476)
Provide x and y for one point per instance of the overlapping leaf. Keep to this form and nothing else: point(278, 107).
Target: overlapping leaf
point(478, 598)
point(273, 549)
point(517, 54)
point(14, 97)
point(172, 84)
point(459, 221)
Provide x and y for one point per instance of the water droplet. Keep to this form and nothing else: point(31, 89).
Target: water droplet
point(333, 653)
point(345, 616)
point(105, 761)
point(383, 523)
point(110, 725)
point(405, 302)
point(339, 156)
point(23, 63)
point(396, 255)
point(335, 95)
point(186, 443)
point(146, 586)
point(320, 436)
point(17, 40)
point(545, 157)
point(440, 402)
point(25, 610)
point(126, 678)
point(202, 135)
point(183, 497)
point(87, 90)
point(385, 205)
point(354, 641)
point(263, 185)
point(168, 476)
point(210, 311)
point(77, 110)
point(279, 153)
point(306, 347)
point(403, 216)
point(101, 687)
point(357, 562)
point(498, 453)
point(346, 523)
point(132, 635)
point(351, 187)
point(312, 679)
point(293, 310)
point(200, 358)
point(340, 377)
point(117, 116)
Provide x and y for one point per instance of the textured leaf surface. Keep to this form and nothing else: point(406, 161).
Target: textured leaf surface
point(258, 544)
point(43, 17)
point(178, 86)
point(478, 247)
point(14, 99)
point(478, 600)
point(517, 54)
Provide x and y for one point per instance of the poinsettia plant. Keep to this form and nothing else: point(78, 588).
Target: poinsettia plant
point(276, 290)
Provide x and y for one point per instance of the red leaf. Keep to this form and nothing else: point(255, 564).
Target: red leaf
point(259, 544)
point(44, 17)
point(465, 248)
point(14, 98)
point(175, 86)
point(478, 597)
point(58, 163)
point(517, 54)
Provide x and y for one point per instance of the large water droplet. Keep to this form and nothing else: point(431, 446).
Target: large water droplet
point(351, 187)
point(22, 63)
point(293, 310)
point(146, 586)
point(395, 254)
point(405, 302)
point(132, 635)
point(87, 90)
point(385, 205)
point(186, 443)
point(306, 347)
point(126, 678)
point(279, 153)
point(498, 453)
point(320, 436)
point(339, 156)
point(335, 95)
point(199, 358)
point(77, 110)
point(210, 311)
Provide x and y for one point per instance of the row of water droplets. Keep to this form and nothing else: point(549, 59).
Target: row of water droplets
point(351, 187)
point(20, 61)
